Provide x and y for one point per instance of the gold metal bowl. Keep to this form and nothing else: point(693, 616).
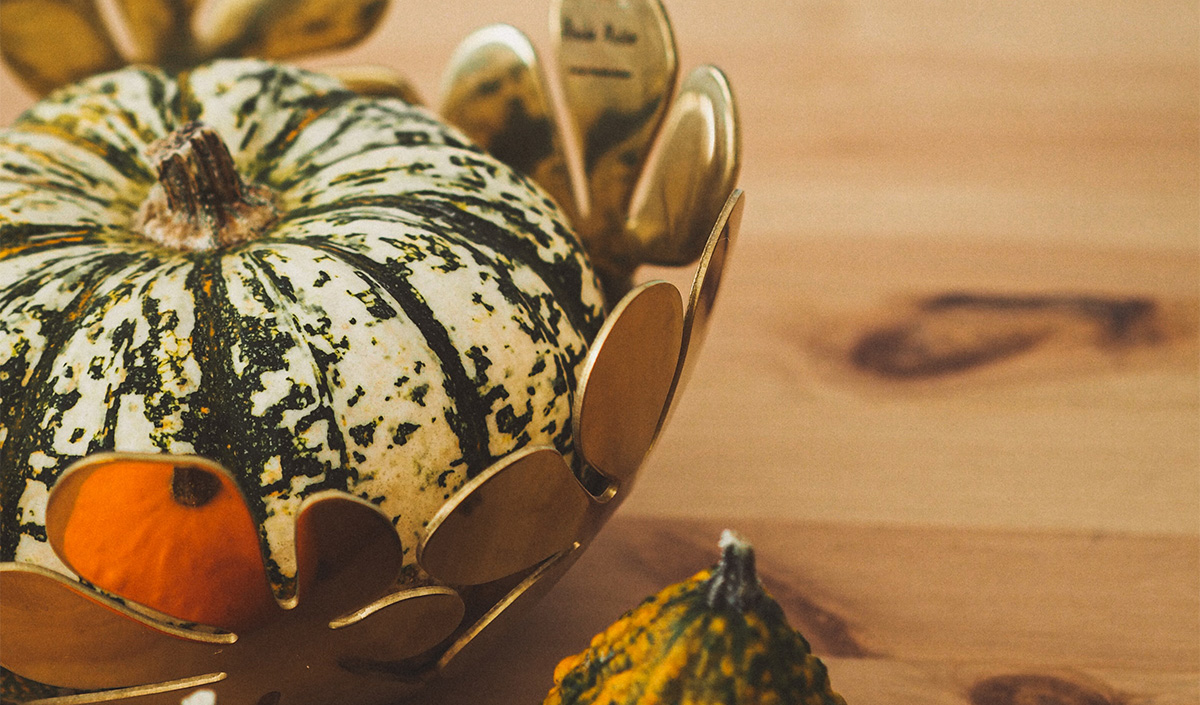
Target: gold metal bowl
point(653, 183)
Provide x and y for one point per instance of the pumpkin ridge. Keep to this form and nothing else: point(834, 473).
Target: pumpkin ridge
point(30, 161)
point(324, 410)
point(213, 411)
point(363, 114)
point(267, 158)
point(541, 330)
point(469, 417)
point(270, 87)
point(126, 163)
point(33, 238)
point(435, 207)
point(25, 431)
point(141, 375)
point(335, 476)
point(566, 288)
point(47, 179)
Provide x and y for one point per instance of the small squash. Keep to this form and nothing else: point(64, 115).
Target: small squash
point(716, 638)
point(250, 264)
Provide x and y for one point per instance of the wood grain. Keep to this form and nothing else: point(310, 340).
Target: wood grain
point(1074, 432)
point(920, 613)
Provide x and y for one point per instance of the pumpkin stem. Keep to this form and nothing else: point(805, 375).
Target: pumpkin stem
point(734, 582)
point(200, 201)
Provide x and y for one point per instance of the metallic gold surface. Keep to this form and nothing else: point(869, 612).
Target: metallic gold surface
point(347, 614)
point(56, 631)
point(626, 380)
point(281, 29)
point(155, 27)
point(48, 43)
point(618, 66)
point(512, 516)
point(494, 91)
point(433, 613)
point(376, 81)
point(690, 175)
point(703, 295)
point(355, 625)
point(480, 637)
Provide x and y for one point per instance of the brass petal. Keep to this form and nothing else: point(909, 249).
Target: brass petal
point(705, 288)
point(376, 81)
point(626, 379)
point(161, 29)
point(279, 29)
point(511, 516)
point(58, 632)
point(49, 43)
point(166, 693)
point(618, 67)
point(481, 636)
point(690, 175)
point(347, 551)
point(156, 473)
point(494, 91)
point(396, 627)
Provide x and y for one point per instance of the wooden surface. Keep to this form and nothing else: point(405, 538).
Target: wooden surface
point(951, 389)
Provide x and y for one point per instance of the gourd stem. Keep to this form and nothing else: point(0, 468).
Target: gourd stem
point(202, 202)
point(734, 583)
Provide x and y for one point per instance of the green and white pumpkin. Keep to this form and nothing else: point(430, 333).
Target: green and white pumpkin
point(408, 311)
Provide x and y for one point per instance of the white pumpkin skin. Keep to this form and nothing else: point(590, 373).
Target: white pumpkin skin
point(418, 311)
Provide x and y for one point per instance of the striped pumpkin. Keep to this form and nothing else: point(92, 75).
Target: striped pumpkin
point(409, 310)
point(716, 638)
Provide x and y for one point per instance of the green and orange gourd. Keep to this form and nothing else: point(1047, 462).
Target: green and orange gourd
point(717, 638)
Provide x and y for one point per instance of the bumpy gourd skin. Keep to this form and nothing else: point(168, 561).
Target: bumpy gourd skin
point(679, 648)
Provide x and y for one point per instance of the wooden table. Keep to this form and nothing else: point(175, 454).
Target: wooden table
point(951, 388)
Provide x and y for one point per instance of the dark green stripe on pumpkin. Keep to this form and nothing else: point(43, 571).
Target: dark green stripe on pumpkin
point(20, 239)
point(419, 130)
point(227, 430)
point(282, 289)
point(269, 93)
point(564, 278)
point(21, 400)
point(468, 419)
point(141, 372)
point(126, 159)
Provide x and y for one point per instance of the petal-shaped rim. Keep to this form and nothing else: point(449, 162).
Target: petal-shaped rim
point(510, 517)
point(52, 43)
point(60, 632)
point(282, 29)
point(703, 295)
point(616, 93)
point(61, 503)
point(479, 637)
point(626, 378)
point(347, 554)
point(685, 185)
point(165, 693)
point(494, 90)
point(49, 43)
point(402, 625)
